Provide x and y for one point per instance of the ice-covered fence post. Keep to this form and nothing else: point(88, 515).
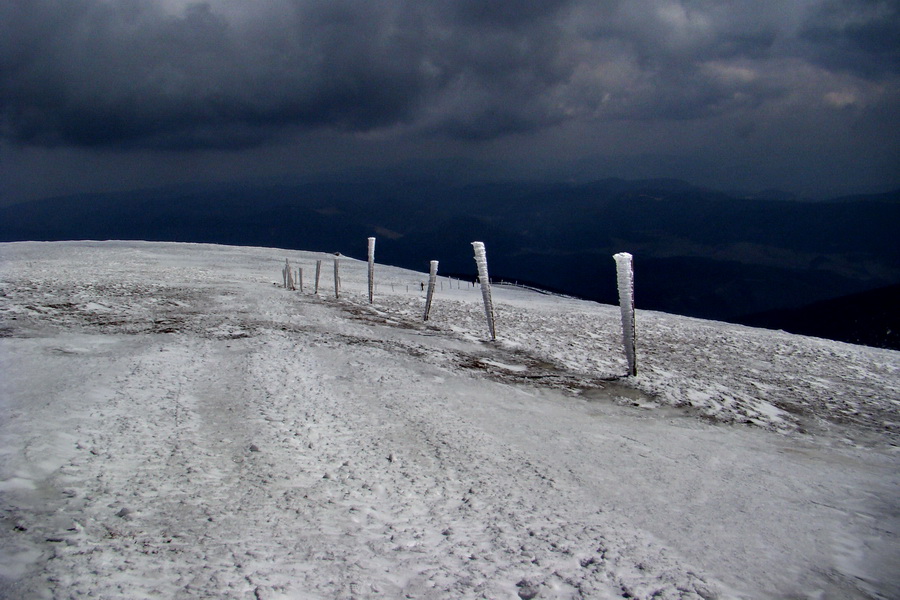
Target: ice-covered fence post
point(318, 272)
point(288, 276)
point(481, 261)
point(337, 277)
point(300, 278)
point(371, 269)
point(432, 277)
point(625, 279)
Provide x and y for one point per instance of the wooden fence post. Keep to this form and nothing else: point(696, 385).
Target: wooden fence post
point(300, 278)
point(371, 269)
point(288, 276)
point(432, 276)
point(318, 272)
point(337, 277)
point(481, 261)
point(625, 280)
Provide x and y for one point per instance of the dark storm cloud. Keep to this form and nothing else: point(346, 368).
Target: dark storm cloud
point(138, 73)
point(512, 12)
point(862, 36)
point(95, 73)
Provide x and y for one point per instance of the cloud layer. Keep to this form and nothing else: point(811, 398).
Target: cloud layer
point(144, 73)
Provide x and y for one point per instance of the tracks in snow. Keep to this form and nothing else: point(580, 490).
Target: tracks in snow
point(290, 464)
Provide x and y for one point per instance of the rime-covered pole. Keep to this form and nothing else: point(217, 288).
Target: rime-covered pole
point(625, 279)
point(288, 276)
point(337, 277)
point(318, 272)
point(481, 261)
point(371, 269)
point(300, 278)
point(432, 277)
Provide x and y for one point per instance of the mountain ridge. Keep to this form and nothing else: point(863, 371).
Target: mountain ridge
point(698, 252)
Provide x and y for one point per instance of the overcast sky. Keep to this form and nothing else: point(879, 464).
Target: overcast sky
point(802, 95)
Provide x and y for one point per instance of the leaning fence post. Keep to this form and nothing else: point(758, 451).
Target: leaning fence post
point(318, 271)
point(481, 261)
point(625, 280)
point(371, 269)
point(432, 276)
point(337, 277)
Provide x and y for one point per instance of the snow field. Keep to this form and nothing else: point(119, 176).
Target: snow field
point(177, 426)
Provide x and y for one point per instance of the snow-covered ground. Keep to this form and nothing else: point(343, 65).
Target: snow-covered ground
point(176, 426)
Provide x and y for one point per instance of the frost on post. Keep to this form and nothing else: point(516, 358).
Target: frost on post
point(481, 261)
point(371, 269)
point(337, 277)
point(625, 278)
point(318, 272)
point(300, 278)
point(288, 276)
point(432, 278)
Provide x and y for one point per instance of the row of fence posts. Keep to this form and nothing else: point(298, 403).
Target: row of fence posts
point(296, 283)
point(293, 282)
point(624, 279)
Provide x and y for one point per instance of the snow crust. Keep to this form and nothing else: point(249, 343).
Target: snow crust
point(175, 425)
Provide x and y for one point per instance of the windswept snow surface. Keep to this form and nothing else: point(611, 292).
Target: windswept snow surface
point(175, 425)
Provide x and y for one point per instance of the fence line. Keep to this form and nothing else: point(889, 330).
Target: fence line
point(624, 277)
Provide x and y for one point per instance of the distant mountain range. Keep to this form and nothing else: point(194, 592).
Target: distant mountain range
point(698, 252)
point(870, 318)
